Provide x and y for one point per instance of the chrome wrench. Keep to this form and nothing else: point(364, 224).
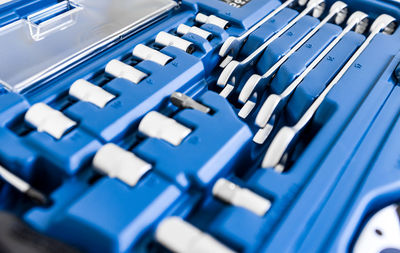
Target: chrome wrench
point(338, 11)
point(232, 46)
point(231, 73)
point(284, 140)
point(275, 102)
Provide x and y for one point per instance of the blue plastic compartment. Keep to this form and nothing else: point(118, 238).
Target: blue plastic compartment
point(267, 30)
point(329, 167)
point(370, 177)
point(347, 167)
point(110, 216)
point(217, 144)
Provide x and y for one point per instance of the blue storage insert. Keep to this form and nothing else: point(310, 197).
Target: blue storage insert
point(215, 146)
point(291, 68)
point(304, 55)
point(316, 81)
point(342, 155)
point(239, 227)
point(244, 17)
point(39, 150)
point(287, 41)
point(110, 216)
point(369, 180)
point(267, 30)
point(367, 100)
point(134, 100)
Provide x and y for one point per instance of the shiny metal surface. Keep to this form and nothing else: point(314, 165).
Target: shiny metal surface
point(232, 72)
point(287, 136)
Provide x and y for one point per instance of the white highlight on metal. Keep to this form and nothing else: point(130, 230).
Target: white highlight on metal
point(246, 109)
point(184, 29)
point(242, 197)
point(214, 20)
point(226, 91)
point(227, 74)
point(381, 232)
point(183, 101)
point(166, 39)
point(381, 24)
point(122, 70)
point(156, 125)
point(278, 150)
point(262, 134)
point(15, 181)
point(144, 52)
point(5, 1)
point(275, 102)
point(88, 92)
point(119, 163)
point(233, 44)
point(338, 9)
point(226, 61)
point(48, 120)
point(180, 236)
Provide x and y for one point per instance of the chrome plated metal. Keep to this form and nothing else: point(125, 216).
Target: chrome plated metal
point(285, 139)
point(232, 45)
point(275, 102)
point(233, 71)
point(338, 11)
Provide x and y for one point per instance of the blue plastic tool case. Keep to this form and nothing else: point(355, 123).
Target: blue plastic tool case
point(345, 166)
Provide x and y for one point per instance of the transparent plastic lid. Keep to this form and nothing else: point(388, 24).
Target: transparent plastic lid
point(52, 39)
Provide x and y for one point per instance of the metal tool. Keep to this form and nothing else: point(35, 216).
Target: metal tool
point(147, 53)
point(116, 162)
point(181, 100)
point(381, 232)
point(166, 39)
point(233, 194)
point(230, 76)
point(338, 11)
point(157, 125)
point(180, 236)
point(185, 29)
point(88, 92)
point(232, 46)
point(51, 121)
point(213, 20)
point(119, 69)
point(275, 102)
point(23, 187)
point(283, 142)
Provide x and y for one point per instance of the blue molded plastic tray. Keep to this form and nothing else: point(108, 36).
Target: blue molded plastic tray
point(344, 168)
